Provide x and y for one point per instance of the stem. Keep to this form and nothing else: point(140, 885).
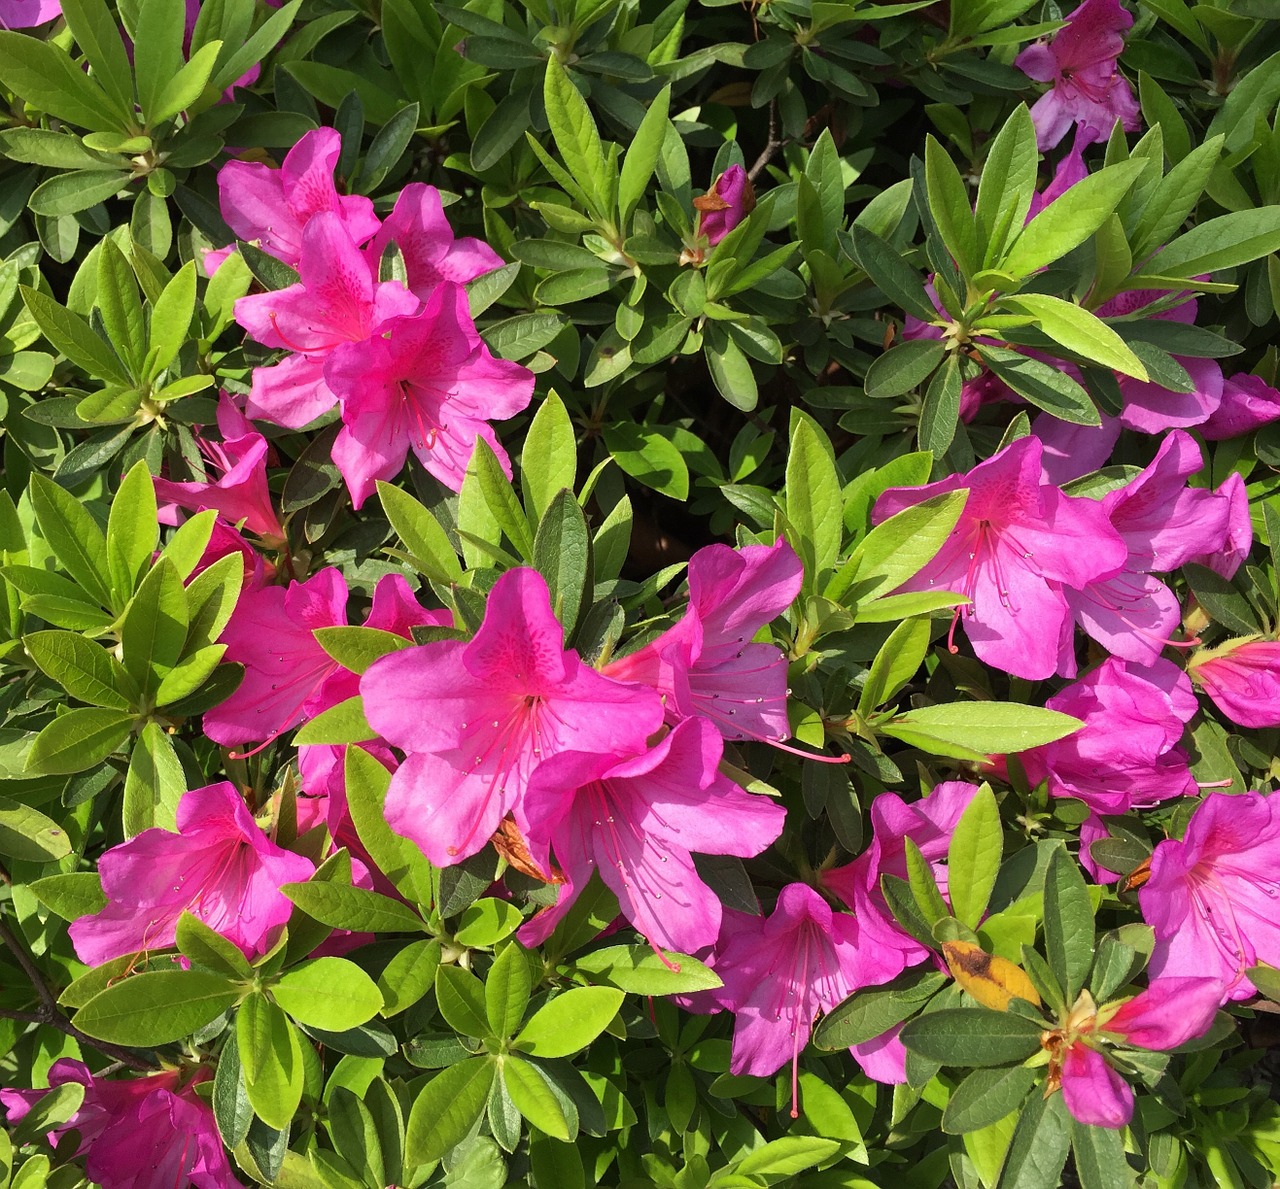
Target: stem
point(770, 150)
point(51, 1014)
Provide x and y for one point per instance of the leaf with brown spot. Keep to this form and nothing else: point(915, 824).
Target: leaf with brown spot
point(991, 980)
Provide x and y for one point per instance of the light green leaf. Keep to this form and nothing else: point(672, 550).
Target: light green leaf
point(973, 857)
point(1079, 331)
point(570, 1021)
point(328, 993)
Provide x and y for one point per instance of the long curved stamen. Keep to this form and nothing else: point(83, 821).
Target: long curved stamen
point(314, 350)
point(295, 708)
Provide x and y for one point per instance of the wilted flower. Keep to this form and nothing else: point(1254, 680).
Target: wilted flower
point(1242, 677)
point(1080, 61)
point(219, 866)
point(152, 1132)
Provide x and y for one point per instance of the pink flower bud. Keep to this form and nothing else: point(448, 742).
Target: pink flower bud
point(730, 200)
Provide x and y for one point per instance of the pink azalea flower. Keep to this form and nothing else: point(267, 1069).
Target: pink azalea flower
point(1242, 677)
point(1126, 756)
point(929, 823)
point(1080, 62)
point(335, 301)
point(730, 200)
point(1071, 169)
point(780, 971)
point(272, 207)
point(24, 14)
point(1170, 1012)
point(426, 383)
point(476, 718)
point(1231, 553)
point(1247, 402)
point(636, 820)
point(223, 542)
point(239, 494)
point(1070, 450)
point(418, 227)
point(1017, 544)
point(1163, 522)
point(1213, 894)
point(706, 665)
point(270, 633)
point(152, 1132)
point(220, 867)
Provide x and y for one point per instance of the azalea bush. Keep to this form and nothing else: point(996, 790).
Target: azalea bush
point(605, 592)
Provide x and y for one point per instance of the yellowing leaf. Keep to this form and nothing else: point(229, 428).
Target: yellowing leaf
point(991, 980)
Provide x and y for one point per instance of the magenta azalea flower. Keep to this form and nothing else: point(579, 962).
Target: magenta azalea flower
point(706, 665)
point(1212, 895)
point(1126, 756)
point(239, 494)
point(1163, 522)
point(1242, 677)
point(1231, 553)
point(335, 301)
point(780, 971)
point(220, 867)
point(153, 1132)
point(1247, 402)
point(1071, 169)
point(418, 227)
point(272, 207)
point(1017, 544)
point(636, 820)
point(426, 383)
point(24, 14)
point(1080, 62)
point(476, 718)
point(730, 200)
point(1170, 1012)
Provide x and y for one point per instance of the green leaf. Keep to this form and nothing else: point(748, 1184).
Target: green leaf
point(170, 320)
point(903, 368)
point(507, 990)
point(81, 667)
point(356, 909)
point(132, 530)
point(95, 32)
point(461, 999)
point(343, 723)
point(1068, 923)
point(973, 857)
point(787, 1156)
point(979, 728)
point(1045, 386)
point(562, 555)
point(356, 648)
point(570, 1021)
point(271, 1055)
point(446, 1109)
point(202, 945)
point(813, 493)
point(211, 598)
point(986, 1096)
point(397, 858)
point(26, 834)
point(1071, 219)
point(1079, 331)
point(154, 627)
point(950, 205)
point(120, 305)
point(972, 1036)
point(897, 661)
point(73, 535)
point(328, 993)
point(641, 157)
point(255, 48)
point(869, 1013)
point(1224, 242)
point(649, 457)
point(549, 461)
point(577, 139)
point(893, 276)
point(940, 413)
point(924, 887)
point(531, 1093)
point(1100, 1158)
point(409, 976)
point(486, 922)
point(1040, 1143)
point(154, 784)
point(638, 970)
point(899, 548)
point(73, 336)
point(71, 896)
point(423, 538)
point(232, 1110)
point(46, 77)
point(1007, 185)
point(156, 1007)
point(184, 88)
point(1220, 598)
point(158, 52)
point(78, 740)
point(501, 499)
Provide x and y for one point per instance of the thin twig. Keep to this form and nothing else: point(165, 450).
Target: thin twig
point(771, 149)
point(49, 1013)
